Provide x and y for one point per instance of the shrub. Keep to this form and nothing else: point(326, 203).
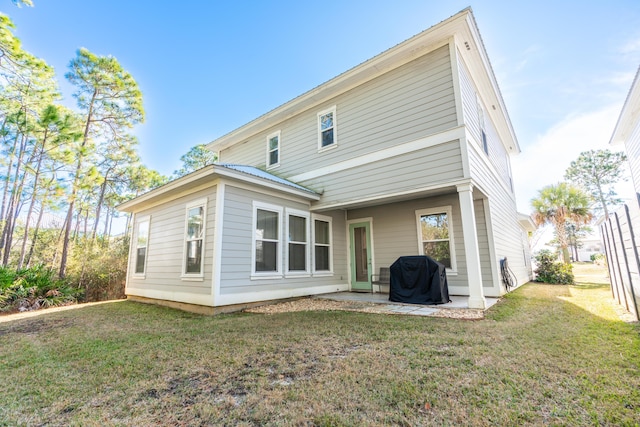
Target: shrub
point(100, 267)
point(33, 288)
point(599, 259)
point(550, 270)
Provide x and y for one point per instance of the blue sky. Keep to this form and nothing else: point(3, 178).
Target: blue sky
point(208, 67)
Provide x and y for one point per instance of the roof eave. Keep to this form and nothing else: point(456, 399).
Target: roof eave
point(206, 173)
point(502, 120)
point(404, 52)
point(630, 114)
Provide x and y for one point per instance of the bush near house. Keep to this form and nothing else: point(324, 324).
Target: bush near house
point(34, 288)
point(550, 270)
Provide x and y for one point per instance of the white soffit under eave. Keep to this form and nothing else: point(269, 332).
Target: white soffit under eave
point(480, 66)
point(630, 114)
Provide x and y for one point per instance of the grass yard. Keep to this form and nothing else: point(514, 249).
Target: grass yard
point(545, 355)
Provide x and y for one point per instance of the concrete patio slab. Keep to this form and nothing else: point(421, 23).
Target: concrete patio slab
point(457, 302)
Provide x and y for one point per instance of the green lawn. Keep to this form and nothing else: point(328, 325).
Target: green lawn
point(545, 355)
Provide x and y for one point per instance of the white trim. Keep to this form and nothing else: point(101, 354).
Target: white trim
point(369, 220)
point(328, 219)
point(275, 134)
point(256, 296)
point(334, 128)
point(217, 241)
point(130, 257)
point(471, 247)
point(493, 259)
point(455, 72)
point(147, 219)
point(256, 275)
point(388, 197)
point(202, 202)
point(452, 245)
point(186, 297)
point(275, 194)
point(396, 150)
point(204, 178)
point(307, 256)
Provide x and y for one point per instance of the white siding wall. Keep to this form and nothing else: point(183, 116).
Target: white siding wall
point(165, 250)
point(632, 147)
point(237, 241)
point(403, 105)
point(498, 155)
point(492, 173)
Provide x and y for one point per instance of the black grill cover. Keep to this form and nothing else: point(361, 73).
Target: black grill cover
point(418, 280)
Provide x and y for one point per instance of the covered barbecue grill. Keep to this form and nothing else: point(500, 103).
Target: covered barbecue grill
point(418, 280)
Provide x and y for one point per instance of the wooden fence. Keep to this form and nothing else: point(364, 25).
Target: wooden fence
point(621, 236)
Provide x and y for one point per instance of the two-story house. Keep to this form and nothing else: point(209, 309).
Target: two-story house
point(407, 153)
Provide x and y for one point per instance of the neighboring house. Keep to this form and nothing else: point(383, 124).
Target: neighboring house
point(621, 231)
point(589, 247)
point(407, 153)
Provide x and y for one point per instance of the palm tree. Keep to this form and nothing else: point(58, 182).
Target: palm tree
point(557, 204)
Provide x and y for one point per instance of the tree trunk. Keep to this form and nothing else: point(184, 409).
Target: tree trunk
point(74, 189)
point(103, 189)
point(35, 236)
point(7, 232)
point(107, 220)
point(34, 194)
point(5, 191)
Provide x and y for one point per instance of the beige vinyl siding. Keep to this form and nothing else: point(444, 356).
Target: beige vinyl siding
point(395, 234)
point(507, 232)
point(427, 167)
point(632, 147)
point(165, 250)
point(483, 244)
point(403, 105)
point(498, 155)
point(235, 275)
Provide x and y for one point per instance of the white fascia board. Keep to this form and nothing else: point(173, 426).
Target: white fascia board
point(129, 206)
point(630, 114)
point(211, 171)
point(419, 45)
point(481, 70)
point(232, 174)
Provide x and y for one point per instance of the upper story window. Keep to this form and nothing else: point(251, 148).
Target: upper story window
point(327, 136)
point(435, 235)
point(142, 242)
point(273, 150)
point(266, 241)
point(194, 239)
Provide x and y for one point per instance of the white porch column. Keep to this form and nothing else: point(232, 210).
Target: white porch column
point(471, 248)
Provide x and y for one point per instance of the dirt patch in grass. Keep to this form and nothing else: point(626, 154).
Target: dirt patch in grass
point(545, 355)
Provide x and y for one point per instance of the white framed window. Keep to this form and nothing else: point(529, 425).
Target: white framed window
point(435, 235)
point(327, 129)
point(142, 244)
point(273, 150)
point(481, 126)
point(321, 235)
point(267, 240)
point(297, 249)
point(194, 239)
